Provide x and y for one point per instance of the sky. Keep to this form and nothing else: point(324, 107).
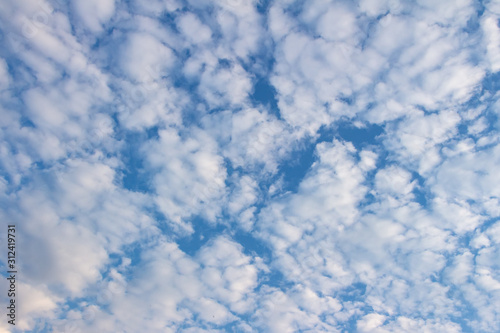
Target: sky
point(251, 165)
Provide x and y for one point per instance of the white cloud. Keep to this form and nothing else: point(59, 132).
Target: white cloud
point(418, 137)
point(241, 27)
point(193, 29)
point(212, 312)
point(371, 322)
point(337, 23)
point(157, 7)
point(457, 12)
point(46, 236)
point(376, 8)
point(279, 23)
point(492, 36)
point(400, 235)
point(296, 226)
point(394, 181)
point(257, 138)
point(189, 176)
point(34, 301)
point(469, 176)
point(281, 312)
point(150, 104)
point(94, 13)
point(229, 274)
point(243, 197)
point(407, 324)
point(4, 75)
point(145, 58)
point(221, 86)
point(212, 285)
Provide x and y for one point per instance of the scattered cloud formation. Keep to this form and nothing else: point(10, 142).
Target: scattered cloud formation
point(251, 165)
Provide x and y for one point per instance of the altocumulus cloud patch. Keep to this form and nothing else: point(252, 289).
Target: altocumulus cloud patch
point(250, 166)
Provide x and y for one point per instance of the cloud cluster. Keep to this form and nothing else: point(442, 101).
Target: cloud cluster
point(155, 186)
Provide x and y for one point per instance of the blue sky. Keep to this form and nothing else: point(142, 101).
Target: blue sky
point(251, 165)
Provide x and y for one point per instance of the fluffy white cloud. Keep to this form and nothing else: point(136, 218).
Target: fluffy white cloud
point(193, 29)
point(181, 291)
point(419, 137)
point(136, 153)
point(145, 58)
point(189, 176)
point(221, 86)
point(94, 13)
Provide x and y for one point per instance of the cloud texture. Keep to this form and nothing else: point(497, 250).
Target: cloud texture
point(252, 165)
